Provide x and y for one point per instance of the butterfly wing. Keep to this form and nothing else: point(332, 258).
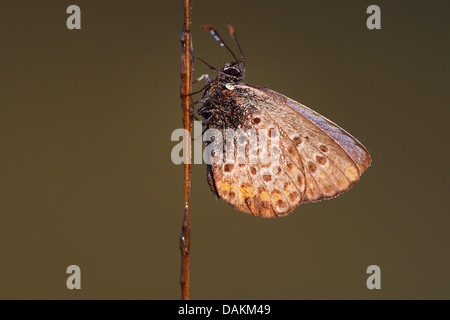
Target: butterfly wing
point(266, 189)
point(319, 160)
point(332, 159)
point(348, 143)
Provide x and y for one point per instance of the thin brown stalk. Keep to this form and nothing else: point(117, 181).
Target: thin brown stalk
point(186, 104)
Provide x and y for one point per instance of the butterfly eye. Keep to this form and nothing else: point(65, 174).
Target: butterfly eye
point(232, 72)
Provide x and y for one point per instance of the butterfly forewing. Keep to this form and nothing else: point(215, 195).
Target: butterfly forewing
point(351, 146)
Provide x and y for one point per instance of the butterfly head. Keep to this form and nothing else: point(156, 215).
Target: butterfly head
point(233, 71)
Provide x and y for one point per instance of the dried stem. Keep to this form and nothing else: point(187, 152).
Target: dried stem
point(186, 104)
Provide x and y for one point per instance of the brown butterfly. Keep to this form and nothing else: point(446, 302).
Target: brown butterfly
point(317, 159)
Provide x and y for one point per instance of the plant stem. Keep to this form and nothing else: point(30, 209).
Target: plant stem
point(186, 104)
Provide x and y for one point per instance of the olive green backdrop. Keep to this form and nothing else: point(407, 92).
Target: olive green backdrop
point(86, 176)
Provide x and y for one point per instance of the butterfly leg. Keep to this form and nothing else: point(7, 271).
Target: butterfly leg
point(203, 76)
point(195, 92)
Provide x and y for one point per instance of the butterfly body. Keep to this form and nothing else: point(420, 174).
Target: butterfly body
point(315, 159)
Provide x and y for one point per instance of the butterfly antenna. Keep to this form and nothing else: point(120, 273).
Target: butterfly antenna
point(210, 66)
point(216, 36)
point(233, 35)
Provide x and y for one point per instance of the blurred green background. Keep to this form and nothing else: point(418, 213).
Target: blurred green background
point(86, 176)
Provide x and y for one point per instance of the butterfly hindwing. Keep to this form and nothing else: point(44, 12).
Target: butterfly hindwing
point(260, 186)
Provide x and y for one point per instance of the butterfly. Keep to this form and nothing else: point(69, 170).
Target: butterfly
point(316, 158)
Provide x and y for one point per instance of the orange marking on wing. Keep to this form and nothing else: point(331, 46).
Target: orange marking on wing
point(246, 192)
point(264, 196)
point(276, 197)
